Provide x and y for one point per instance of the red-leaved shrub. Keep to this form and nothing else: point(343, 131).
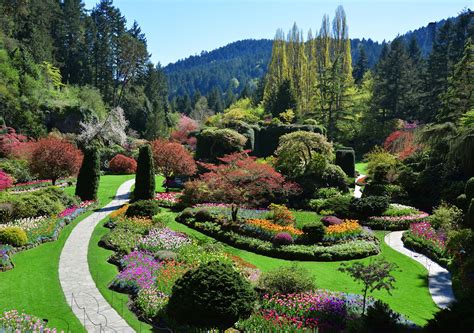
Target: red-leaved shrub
point(6, 181)
point(53, 158)
point(121, 164)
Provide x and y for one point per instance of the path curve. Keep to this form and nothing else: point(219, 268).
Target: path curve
point(79, 288)
point(358, 189)
point(439, 279)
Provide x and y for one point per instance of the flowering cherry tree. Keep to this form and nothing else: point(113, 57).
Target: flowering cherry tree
point(240, 180)
point(171, 159)
point(185, 126)
point(53, 158)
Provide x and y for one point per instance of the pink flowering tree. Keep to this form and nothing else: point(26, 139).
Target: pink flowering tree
point(185, 126)
point(6, 181)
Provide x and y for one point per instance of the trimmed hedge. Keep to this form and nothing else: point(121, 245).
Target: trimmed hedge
point(89, 175)
point(145, 177)
point(419, 245)
point(344, 251)
point(345, 158)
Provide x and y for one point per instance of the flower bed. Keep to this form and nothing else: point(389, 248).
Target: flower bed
point(163, 239)
point(226, 211)
point(354, 249)
point(423, 238)
point(168, 199)
point(397, 217)
point(14, 321)
point(349, 229)
point(38, 184)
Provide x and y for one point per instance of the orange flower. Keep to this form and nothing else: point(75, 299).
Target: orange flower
point(267, 225)
point(349, 226)
point(119, 211)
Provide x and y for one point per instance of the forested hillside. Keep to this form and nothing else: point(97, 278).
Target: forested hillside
point(61, 64)
point(247, 60)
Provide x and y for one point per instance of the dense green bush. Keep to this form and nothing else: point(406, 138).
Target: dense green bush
point(374, 189)
point(6, 212)
point(286, 280)
point(459, 317)
point(470, 215)
point(57, 194)
point(145, 208)
point(34, 205)
point(334, 176)
point(345, 158)
point(203, 215)
point(368, 206)
point(14, 236)
point(18, 169)
point(145, 176)
point(314, 232)
point(213, 295)
point(121, 240)
point(380, 318)
point(213, 143)
point(469, 189)
point(89, 175)
point(338, 205)
point(446, 217)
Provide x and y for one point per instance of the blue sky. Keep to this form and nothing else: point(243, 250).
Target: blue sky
point(176, 29)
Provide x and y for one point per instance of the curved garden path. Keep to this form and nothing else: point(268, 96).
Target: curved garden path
point(85, 300)
point(358, 189)
point(439, 279)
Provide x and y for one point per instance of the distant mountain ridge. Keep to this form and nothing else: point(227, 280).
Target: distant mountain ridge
point(243, 62)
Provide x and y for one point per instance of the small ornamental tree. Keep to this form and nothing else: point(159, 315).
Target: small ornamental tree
point(374, 276)
point(185, 127)
point(145, 177)
point(121, 164)
point(213, 295)
point(53, 158)
point(239, 180)
point(89, 175)
point(6, 181)
point(171, 159)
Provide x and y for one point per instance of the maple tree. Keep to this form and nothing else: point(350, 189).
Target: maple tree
point(239, 180)
point(6, 181)
point(172, 159)
point(53, 158)
point(122, 164)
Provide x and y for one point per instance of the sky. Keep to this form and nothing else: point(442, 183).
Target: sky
point(176, 29)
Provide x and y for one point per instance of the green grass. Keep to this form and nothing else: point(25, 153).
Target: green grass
point(305, 217)
point(411, 296)
point(361, 167)
point(104, 272)
point(33, 285)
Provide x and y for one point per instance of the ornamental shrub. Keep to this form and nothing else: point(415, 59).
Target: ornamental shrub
point(14, 236)
point(331, 220)
point(203, 215)
point(282, 238)
point(213, 295)
point(145, 177)
point(469, 189)
point(213, 143)
point(369, 206)
point(372, 189)
point(18, 169)
point(121, 164)
point(144, 208)
point(281, 215)
point(289, 279)
point(34, 205)
point(89, 175)
point(446, 217)
point(339, 205)
point(333, 176)
point(380, 318)
point(314, 232)
point(58, 195)
point(345, 158)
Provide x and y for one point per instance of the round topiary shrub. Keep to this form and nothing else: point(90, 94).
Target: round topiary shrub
point(145, 208)
point(331, 220)
point(286, 280)
point(13, 236)
point(314, 232)
point(121, 164)
point(203, 215)
point(369, 206)
point(213, 295)
point(282, 238)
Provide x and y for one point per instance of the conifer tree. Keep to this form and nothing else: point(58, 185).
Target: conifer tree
point(145, 176)
point(361, 67)
point(89, 175)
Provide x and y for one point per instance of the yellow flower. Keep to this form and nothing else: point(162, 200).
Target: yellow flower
point(267, 225)
point(348, 226)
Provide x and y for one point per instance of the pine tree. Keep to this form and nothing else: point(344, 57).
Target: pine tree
point(362, 65)
point(89, 175)
point(284, 99)
point(214, 100)
point(145, 176)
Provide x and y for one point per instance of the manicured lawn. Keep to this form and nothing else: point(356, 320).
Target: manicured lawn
point(411, 296)
point(33, 285)
point(305, 217)
point(103, 273)
point(361, 167)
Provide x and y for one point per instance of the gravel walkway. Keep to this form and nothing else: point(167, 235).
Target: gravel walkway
point(439, 279)
point(86, 301)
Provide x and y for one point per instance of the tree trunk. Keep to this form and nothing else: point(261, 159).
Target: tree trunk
point(235, 210)
point(364, 301)
point(54, 181)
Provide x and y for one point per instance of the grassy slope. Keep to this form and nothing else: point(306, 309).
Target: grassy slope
point(361, 167)
point(411, 296)
point(103, 273)
point(33, 285)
